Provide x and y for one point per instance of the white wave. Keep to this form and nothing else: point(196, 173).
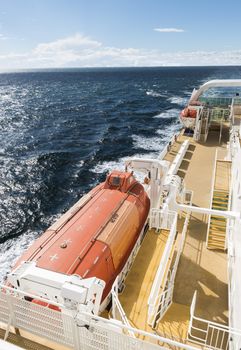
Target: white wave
point(119, 164)
point(171, 113)
point(152, 144)
point(172, 129)
point(12, 250)
point(178, 100)
point(147, 143)
point(106, 166)
point(154, 93)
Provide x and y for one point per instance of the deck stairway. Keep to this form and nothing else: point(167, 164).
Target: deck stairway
point(216, 237)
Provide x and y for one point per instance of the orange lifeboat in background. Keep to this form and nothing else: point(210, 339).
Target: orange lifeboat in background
point(95, 237)
point(188, 117)
point(189, 113)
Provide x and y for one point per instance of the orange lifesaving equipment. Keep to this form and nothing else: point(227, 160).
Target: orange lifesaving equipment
point(188, 113)
point(95, 237)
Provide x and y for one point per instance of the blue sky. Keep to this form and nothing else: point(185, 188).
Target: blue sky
point(78, 33)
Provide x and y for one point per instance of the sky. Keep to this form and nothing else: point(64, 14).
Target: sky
point(111, 33)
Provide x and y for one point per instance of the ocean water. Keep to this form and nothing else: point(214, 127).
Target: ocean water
point(61, 131)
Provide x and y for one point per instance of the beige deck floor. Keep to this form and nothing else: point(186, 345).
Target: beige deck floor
point(175, 322)
point(199, 268)
point(139, 280)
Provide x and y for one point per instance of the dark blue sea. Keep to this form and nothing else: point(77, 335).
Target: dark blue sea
point(61, 131)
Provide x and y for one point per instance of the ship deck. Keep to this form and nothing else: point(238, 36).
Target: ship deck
point(199, 268)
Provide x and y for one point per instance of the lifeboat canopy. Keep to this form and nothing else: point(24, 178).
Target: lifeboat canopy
point(118, 180)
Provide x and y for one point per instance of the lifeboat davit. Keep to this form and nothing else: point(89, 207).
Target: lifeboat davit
point(96, 236)
point(188, 117)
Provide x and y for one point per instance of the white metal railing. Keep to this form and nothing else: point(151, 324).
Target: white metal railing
point(166, 149)
point(79, 331)
point(117, 307)
point(234, 143)
point(202, 117)
point(229, 222)
point(206, 128)
point(161, 298)
point(167, 221)
point(197, 133)
point(117, 340)
point(162, 219)
point(234, 238)
point(17, 311)
point(164, 298)
point(164, 301)
point(211, 193)
point(210, 334)
point(220, 131)
point(178, 159)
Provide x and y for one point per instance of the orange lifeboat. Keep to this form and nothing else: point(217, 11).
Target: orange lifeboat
point(95, 237)
point(188, 117)
point(189, 113)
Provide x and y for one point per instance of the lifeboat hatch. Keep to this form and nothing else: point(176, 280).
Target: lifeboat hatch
point(118, 180)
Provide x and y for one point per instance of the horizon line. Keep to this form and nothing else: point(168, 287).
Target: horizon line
point(15, 70)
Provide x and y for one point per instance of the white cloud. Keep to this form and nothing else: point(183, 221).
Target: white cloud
point(3, 37)
point(169, 30)
point(81, 51)
point(75, 42)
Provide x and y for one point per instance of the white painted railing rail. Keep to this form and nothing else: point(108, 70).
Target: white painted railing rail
point(178, 159)
point(81, 331)
point(210, 334)
point(211, 193)
point(161, 273)
point(116, 305)
point(152, 339)
point(164, 299)
point(167, 147)
point(225, 214)
point(17, 311)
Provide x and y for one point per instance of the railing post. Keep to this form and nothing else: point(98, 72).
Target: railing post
point(11, 320)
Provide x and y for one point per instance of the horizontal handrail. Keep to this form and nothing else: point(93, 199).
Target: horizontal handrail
point(178, 159)
point(226, 214)
point(139, 332)
point(167, 147)
point(162, 266)
point(14, 291)
point(206, 333)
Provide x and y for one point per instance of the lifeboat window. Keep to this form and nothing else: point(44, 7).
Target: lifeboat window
point(115, 181)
